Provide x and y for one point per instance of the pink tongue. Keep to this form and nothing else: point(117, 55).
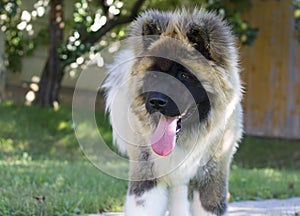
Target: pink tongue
point(164, 137)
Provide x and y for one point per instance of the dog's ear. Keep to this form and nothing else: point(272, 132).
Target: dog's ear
point(150, 27)
point(199, 37)
point(150, 32)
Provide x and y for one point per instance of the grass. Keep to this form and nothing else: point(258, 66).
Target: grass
point(57, 188)
point(43, 171)
point(263, 183)
point(36, 131)
point(257, 152)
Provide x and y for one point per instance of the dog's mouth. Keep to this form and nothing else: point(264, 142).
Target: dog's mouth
point(164, 136)
point(167, 131)
point(178, 126)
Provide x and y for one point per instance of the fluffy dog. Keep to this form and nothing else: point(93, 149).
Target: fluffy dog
point(174, 100)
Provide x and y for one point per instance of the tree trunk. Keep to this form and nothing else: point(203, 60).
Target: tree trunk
point(52, 74)
point(2, 66)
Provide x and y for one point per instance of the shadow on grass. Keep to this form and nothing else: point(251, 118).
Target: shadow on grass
point(42, 133)
point(255, 152)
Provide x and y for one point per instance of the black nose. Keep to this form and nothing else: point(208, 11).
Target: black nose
point(158, 102)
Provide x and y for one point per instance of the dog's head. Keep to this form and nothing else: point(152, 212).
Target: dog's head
point(184, 75)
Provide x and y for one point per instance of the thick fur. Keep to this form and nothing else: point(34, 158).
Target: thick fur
point(198, 185)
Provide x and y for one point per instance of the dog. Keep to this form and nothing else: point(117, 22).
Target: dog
point(174, 98)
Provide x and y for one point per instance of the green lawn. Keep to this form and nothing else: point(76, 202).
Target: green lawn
point(43, 171)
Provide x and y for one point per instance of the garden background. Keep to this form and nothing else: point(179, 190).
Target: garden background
point(46, 45)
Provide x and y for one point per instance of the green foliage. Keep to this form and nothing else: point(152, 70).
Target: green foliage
point(17, 24)
point(13, 25)
point(296, 9)
point(89, 17)
point(232, 12)
point(82, 20)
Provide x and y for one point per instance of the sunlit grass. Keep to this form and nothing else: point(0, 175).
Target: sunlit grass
point(263, 183)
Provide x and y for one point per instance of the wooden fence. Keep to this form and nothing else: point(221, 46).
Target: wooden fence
point(271, 72)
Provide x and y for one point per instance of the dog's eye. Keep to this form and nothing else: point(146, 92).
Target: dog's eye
point(185, 76)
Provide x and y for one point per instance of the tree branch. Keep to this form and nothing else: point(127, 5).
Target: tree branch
point(115, 22)
point(105, 8)
point(136, 7)
point(92, 38)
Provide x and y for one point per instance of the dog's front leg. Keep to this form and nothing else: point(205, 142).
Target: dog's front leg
point(209, 192)
point(179, 205)
point(146, 198)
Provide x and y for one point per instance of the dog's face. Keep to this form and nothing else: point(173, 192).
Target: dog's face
point(163, 79)
point(172, 95)
point(180, 76)
point(156, 101)
point(175, 109)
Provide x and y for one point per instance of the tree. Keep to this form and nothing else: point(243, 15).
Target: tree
point(91, 22)
point(52, 76)
point(52, 73)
